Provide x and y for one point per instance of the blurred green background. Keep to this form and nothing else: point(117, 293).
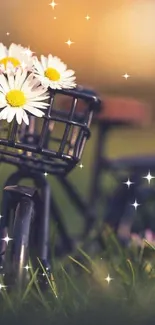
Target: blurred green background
point(117, 39)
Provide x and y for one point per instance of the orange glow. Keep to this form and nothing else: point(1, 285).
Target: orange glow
point(118, 39)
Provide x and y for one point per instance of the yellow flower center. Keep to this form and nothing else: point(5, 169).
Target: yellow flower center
point(15, 98)
point(52, 74)
point(14, 61)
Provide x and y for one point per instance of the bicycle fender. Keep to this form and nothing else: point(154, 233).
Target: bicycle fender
point(21, 190)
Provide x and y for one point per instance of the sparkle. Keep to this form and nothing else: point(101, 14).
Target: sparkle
point(87, 17)
point(1, 216)
point(27, 267)
point(149, 177)
point(81, 166)
point(7, 239)
point(45, 174)
point(28, 52)
point(135, 204)
point(108, 279)
point(2, 286)
point(7, 33)
point(69, 42)
point(126, 76)
point(55, 17)
point(53, 4)
point(128, 183)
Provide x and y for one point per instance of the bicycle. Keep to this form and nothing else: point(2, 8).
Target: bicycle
point(117, 212)
point(34, 150)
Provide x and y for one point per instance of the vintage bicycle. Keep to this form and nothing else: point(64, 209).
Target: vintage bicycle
point(35, 151)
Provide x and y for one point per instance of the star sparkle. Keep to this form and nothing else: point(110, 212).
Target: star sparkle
point(2, 286)
point(28, 52)
point(69, 42)
point(53, 4)
point(7, 239)
point(81, 165)
point(135, 204)
point(149, 177)
point(126, 76)
point(45, 174)
point(27, 267)
point(128, 183)
point(87, 17)
point(108, 279)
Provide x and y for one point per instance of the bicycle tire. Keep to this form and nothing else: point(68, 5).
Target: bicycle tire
point(21, 235)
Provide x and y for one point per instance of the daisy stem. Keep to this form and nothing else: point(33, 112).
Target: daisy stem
point(9, 132)
point(10, 129)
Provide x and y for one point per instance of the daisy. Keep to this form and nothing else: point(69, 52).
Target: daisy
point(14, 56)
point(53, 73)
point(20, 93)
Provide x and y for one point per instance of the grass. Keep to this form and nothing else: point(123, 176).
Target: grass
point(78, 292)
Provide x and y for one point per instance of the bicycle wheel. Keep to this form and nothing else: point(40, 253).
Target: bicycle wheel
point(21, 237)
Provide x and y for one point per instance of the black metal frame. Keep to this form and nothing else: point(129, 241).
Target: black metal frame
point(42, 158)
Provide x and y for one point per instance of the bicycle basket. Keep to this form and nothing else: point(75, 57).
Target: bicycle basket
point(55, 142)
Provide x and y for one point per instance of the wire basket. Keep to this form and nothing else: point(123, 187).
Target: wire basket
point(54, 143)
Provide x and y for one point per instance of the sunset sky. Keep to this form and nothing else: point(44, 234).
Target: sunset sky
point(118, 38)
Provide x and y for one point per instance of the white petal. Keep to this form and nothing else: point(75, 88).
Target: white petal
point(2, 105)
point(3, 51)
point(28, 83)
point(68, 73)
point(38, 67)
point(38, 105)
point(13, 50)
point(4, 113)
point(11, 81)
point(4, 83)
point(21, 79)
point(2, 90)
point(25, 118)
point(55, 85)
point(10, 115)
point(17, 77)
point(19, 115)
point(71, 86)
point(34, 111)
point(39, 98)
point(36, 93)
point(3, 102)
point(44, 62)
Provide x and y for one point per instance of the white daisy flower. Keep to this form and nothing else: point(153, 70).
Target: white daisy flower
point(14, 56)
point(53, 73)
point(21, 93)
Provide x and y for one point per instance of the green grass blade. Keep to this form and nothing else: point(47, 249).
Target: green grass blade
point(149, 244)
point(86, 256)
point(132, 272)
point(71, 282)
point(52, 283)
point(29, 286)
point(42, 298)
point(78, 263)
